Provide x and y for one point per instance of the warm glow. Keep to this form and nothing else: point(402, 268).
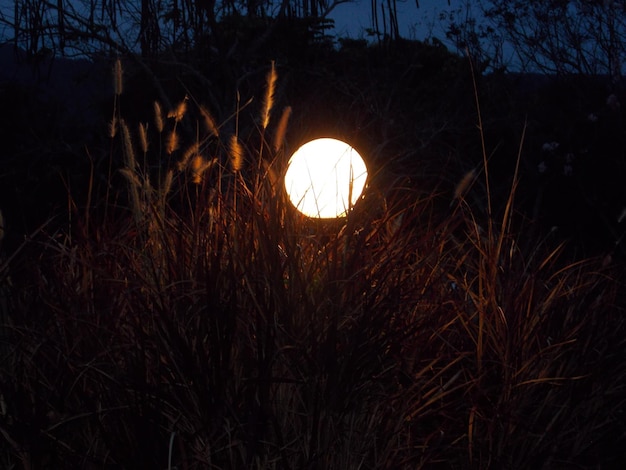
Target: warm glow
point(325, 177)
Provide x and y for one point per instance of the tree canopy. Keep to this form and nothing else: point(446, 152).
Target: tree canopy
point(151, 26)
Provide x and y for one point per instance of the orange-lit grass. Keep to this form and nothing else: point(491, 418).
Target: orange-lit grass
point(206, 325)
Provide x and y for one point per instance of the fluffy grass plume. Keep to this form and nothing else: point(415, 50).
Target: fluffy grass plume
point(129, 151)
point(268, 102)
point(172, 143)
point(464, 185)
point(135, 187)
point(158, 117)
point(179, 112)
point(281, 129)
point(209, 122)
point(112, 127)
point(191, 151)
point(236, 154)
point(143, 137)
point(166, 186)
point(198, 167)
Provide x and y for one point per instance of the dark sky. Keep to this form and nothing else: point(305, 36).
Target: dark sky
point(352, 18)
point(415, 23)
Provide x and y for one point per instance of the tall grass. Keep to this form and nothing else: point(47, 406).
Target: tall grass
point(205, 324)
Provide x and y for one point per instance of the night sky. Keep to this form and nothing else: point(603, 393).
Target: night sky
point(351, 19)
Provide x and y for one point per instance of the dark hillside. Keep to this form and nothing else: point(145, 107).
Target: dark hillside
point(54, 116)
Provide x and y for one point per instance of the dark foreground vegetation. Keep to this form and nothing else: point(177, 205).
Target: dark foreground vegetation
point(163, 306)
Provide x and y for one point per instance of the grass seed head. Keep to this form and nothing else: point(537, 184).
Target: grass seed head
point(129, 151)
point(180, 110)
point(236, 154)
point(209, 122)
point(158, 116)
point(113, 127)
point(134, 187)
point(172, 142)
point(464, 184)
point(198, 167)
point(143, 137)
point(269, 95)
point(281, 130)
point(167, 183)
point(190, 152)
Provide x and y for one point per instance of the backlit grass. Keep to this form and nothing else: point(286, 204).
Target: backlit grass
point(192, 319)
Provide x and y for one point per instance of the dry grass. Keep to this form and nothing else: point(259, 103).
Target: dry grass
point(206, 325)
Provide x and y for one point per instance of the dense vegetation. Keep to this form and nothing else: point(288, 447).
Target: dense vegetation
point(163, 305)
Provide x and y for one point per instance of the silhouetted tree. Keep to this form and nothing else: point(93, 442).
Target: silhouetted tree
point(119, 26)
point(564, 36)
point(149, 28)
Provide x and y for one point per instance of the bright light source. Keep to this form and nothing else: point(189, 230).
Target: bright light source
point(325, 178)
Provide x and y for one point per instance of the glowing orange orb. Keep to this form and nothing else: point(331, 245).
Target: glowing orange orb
point(325, 178)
